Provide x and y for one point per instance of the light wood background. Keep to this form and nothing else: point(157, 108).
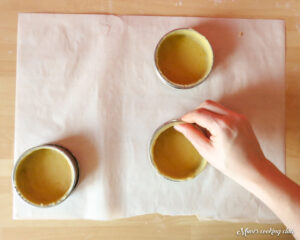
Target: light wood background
point(149, 226)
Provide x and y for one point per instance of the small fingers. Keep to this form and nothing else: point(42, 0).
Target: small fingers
point(195, 136)
point(204, 118)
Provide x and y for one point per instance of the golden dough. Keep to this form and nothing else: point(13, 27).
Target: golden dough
point(44, 176)
point(174, 156)
point(184, 57)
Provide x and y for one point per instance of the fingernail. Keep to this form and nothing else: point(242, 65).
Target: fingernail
point(179, 128)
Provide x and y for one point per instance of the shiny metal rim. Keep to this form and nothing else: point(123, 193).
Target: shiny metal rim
point(152, 141)
point(70, 157)
point(163, 78)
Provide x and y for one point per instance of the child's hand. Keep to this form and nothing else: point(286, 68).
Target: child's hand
point(232, 147)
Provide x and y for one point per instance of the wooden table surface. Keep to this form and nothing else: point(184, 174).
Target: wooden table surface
point(149, 226)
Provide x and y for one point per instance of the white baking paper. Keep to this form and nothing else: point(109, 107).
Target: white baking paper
point(88, 82)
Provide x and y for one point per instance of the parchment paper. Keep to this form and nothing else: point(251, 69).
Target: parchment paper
point(88, 82)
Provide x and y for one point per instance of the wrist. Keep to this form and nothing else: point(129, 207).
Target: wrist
point(266, 182)
point(254, 175)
